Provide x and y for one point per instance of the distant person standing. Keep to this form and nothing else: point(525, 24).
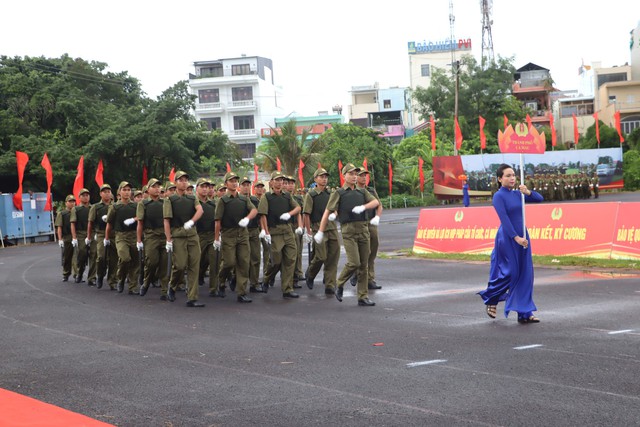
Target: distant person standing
point(81, 242)
point(107, 256)
point(63, 227)
point(465, 194)
point(511, 272)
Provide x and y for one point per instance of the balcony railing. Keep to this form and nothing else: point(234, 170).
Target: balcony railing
point(243, 133)
point(242, 105)
point(209, 106)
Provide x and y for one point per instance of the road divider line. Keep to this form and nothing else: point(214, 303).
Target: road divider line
point(425, 362)
point(527, 347)
point(624, 331)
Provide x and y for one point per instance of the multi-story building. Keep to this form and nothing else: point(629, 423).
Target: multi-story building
point(385, 110)
point(238, 96)
point(533, 87)
point(315, 125)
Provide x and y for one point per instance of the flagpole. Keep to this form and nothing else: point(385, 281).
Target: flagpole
point(1, 237)
point(524, 226)
point(24, 231)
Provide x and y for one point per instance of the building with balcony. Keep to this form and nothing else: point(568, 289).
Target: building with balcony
point(533, 87)
point(237, 96)
point(385, 110)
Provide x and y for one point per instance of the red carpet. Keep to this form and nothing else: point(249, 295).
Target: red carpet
point(17, 410)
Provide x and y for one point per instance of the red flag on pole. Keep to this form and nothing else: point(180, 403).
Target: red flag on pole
point(278, 164)
point(300, 173)
point(47, 167)
point(554, 137)
point(618, 126)
point(483, 137)
point(459, 138)
point(506, 120)
point(228, 167)
point(529, 122)
point(78, 184)
point(145, 177)
point(319, 165)
point(172, 175)
point(576, 134)
point(390, 178)
point(421, 172)
point(21, 159)
point(340, 171)
point(595, 116)
point(99, 173)
point(433, 132)
point(255, 172)
point(366, 167)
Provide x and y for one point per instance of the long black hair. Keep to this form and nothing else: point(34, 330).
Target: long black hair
point(500, 172)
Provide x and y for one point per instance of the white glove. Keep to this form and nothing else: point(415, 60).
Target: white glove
point(285, 216)
point(267, 239)
point(74, 243)
point(129, 221)
point(61, 243)
point(262, 234)
point(375, 220)
point(87, 241)
point(319, 237)
point(106, 242)
point(358, 209)
point(169, 246)
point(332, 216)
point(299, 231)
point(140, 245)
point(188, 225)
point(307, 238)
point(217, 244)
point(243, 222)
point(104, 218)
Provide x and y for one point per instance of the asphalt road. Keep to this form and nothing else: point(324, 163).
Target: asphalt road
point(427, 354)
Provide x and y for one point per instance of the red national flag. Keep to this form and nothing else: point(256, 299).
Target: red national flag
point(366, 167)
point(459, 138)
point(390, 178)
point(595, 116)
point(319, 165)
point(618, 126)
point(554, 137)
point(433, 132)
point(172, 175)
point(145, 177)
point(99, 174)
point(506, 120)
point(278, 164)
point(576, 134)
point(421, 173)
point(21, 159)
point(340, 171)
point(255, 178)
point(47, 167)
point(228, 167)
point(483, 137)
point(78, 184)
point(300, 173)
point(529, 122)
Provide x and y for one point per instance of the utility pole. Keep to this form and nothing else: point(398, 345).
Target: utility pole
point(455, 67)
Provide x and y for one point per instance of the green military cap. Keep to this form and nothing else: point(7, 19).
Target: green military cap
point(180, 174)
point(203, 180)
point(124, 184)
point(245, 179)
point(82, 191)
point(105, 187)
point(138, 193)
point(152, 182)
point(320, 171)
point(259, 183)
point(349, 167)
point(230, 175)
point(70, 198)
point(190, 185)
point(276, 175)
point(363, 171)
point(169, 184)
point(289, 178)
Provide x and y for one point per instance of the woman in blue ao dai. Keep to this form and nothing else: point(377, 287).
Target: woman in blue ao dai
point(511, 273)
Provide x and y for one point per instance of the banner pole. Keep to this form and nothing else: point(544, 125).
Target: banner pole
point(24, 232)
point(524, 223)
point(1, 237)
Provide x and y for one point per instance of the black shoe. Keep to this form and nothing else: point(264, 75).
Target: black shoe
point(65, 278)
point(243, 298)
point(217, 294)
point(79, 279)
point(154, 285)
point(171, 294)
point(194, 303)
point(373, 285)
point(354, 280)
point(257, 289)
point(121, 286)
point(329, 291)
point(100, 282)
point(143, 290)
point(309, 281)
point(134, 293)
point(200, 282)
point(290, 295)
point(339, 293)
point(163, 297)
point(91, 283)
point(296, 286)
point(366, 302)
point(232, 284)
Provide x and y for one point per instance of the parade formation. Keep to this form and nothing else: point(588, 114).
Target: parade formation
point(175, 236)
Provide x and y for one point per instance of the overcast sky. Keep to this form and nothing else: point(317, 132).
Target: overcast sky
point(319, 49)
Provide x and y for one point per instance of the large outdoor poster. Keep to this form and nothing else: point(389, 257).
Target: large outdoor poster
point(604, 163)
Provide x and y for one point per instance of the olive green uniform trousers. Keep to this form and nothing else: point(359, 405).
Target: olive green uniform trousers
point(355, 238)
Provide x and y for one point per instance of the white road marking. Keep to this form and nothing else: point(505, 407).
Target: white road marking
point(527, 347)
point(624, 331)
point(425, 362)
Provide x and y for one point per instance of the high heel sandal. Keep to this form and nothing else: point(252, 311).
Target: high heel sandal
point(491, 311)
point(530, 319)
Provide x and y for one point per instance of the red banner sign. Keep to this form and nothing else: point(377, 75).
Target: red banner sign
point(609, 230)
point(522, 140)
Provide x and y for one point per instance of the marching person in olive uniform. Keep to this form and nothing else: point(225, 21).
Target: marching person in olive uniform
point(80, 241)
point(350, 203)
point(150, 238)
point(206, 234)
point(373, 216)
point(63, 226)
point(276, 209)
point(107, 256)
point(121, 217)
point(260, 190)
point(298, 230)
point(233, 214)
point(595, 183)
point(327, 252)
point(181, 211)
point(254, 238)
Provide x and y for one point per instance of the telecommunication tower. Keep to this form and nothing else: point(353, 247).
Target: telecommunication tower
point(487, 39)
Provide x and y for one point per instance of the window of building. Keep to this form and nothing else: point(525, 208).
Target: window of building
point(425, 70)
point(568, 110)
point(386, 103)
point(240, 70)
point(213, 123)
point(612, 99)
point(207, 96)
point(243, 122)
point(215, 71)
point(614, 77)
point(242, 93)
point(247, 151)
